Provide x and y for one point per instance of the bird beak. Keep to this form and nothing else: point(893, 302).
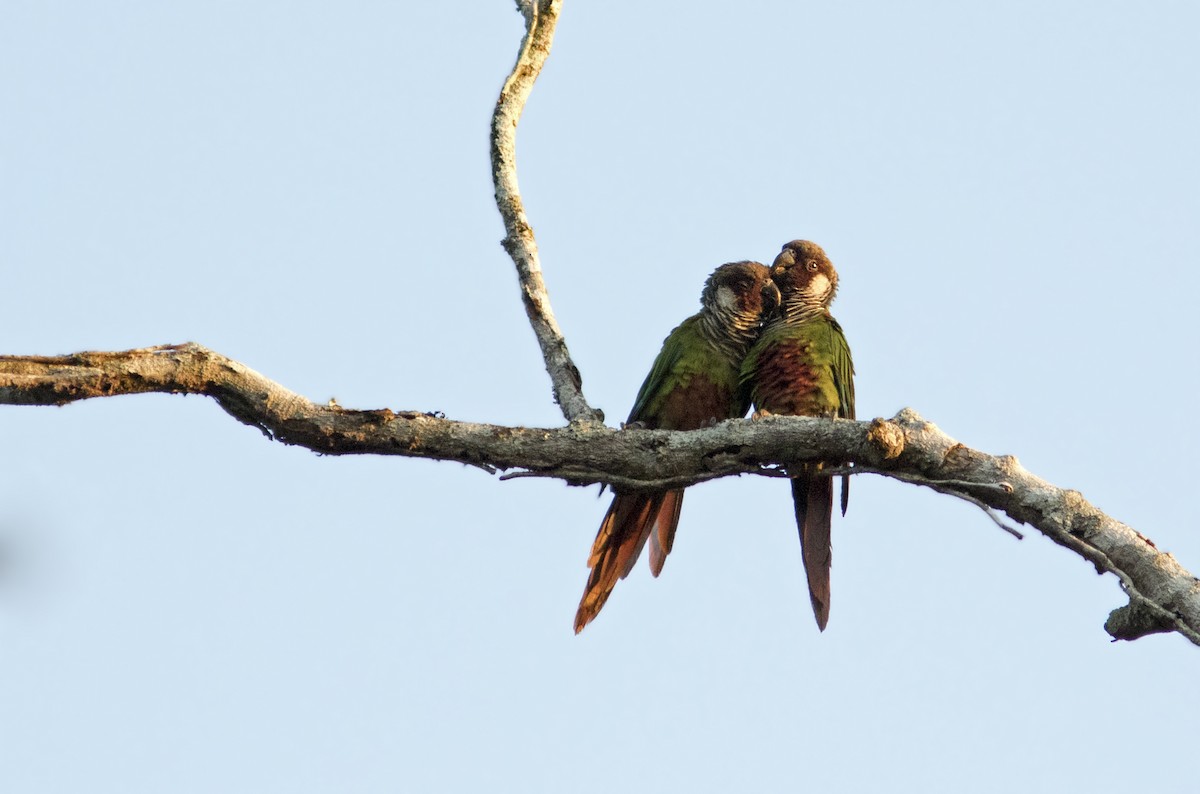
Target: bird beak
point(770, 297)
point(786, 259)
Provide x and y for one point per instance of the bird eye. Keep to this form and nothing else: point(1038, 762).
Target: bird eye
point(812, 266)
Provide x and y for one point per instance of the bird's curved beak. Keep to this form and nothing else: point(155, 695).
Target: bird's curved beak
point(786, 259)
point(771, 297)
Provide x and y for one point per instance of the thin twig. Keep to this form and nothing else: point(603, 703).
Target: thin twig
point(541, 17)
point(950, 487)
point(576, 476)
point(1016, 533)
point(1002, 487)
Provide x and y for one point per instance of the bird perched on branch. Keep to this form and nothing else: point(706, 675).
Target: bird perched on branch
point(694, 381)
point(801, 366)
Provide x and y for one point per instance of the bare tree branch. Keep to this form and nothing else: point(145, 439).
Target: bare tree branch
point(541, 16)
point(1162, 595)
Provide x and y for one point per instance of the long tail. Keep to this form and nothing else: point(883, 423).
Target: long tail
point(813, 498)
point(663, 536)
point(631, 520)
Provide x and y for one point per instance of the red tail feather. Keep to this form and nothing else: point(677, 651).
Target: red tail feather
point(663, 536)
point(813, 497)
point(631, 520)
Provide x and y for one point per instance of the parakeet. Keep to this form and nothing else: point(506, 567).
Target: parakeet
point(693, 382)
point(801, 366)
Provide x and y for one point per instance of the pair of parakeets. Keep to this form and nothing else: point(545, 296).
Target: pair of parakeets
point(763, 336)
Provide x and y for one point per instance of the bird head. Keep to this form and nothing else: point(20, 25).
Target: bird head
point(741, 288)
point(806, 277)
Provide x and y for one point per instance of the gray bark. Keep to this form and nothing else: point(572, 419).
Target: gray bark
point(1162, 595)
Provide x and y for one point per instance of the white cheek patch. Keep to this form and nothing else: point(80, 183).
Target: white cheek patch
point(727, 299)
point(818, 286)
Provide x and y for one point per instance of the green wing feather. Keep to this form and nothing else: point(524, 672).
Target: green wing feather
point(662, 375)
point(685, 356)
point(843, 379)
point(843, 370)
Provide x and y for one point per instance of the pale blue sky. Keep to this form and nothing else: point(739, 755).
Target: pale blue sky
point(1009, 193)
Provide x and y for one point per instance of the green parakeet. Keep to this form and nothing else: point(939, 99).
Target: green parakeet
point(801, 366)
point(693, 382)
